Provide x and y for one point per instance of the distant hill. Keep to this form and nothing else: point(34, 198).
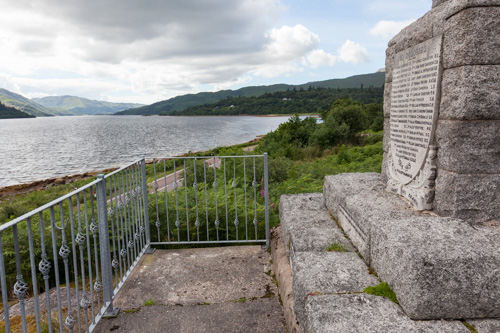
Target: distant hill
point(24, 104)
point(181, 103)
point(82, 106)
point(310, 100)
point(7, 112)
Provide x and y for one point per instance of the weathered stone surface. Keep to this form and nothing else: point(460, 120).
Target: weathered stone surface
point(436, 3)
point(194, 276)
point(262, 315)
point(432, 24)
point(455, 6)
point(389, 63)
point(486, 325)
point(439, 18)
point(356, 200)
point(303, 220)
point(471, 37)
point(281, 267)
point(417, 32)
point(387, 99)
point(329, 272)
point(317, 239)
point(302, 201)
point(387, 138)
point(361, 313)
point(384, 174)
point(438, 267)
point(467, 196)
point(303, 211)
point(471, 93)
point(469, 147)
point(334, 187)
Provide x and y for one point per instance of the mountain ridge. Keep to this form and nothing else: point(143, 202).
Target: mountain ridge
point(21, 103)
point(82, 106)
point(183, 102)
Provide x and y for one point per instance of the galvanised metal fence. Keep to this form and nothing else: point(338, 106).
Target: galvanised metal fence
point(71, 256)
point(211, 200)
point(83, 246)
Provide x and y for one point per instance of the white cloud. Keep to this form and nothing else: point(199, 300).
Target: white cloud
point(353, 52)
point(387, 29)
point(149, 52)
point(291, 42)
point(319, 57)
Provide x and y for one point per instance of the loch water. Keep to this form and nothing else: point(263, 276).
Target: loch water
point(40, 148)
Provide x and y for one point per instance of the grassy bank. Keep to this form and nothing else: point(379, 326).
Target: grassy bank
point(18, 200)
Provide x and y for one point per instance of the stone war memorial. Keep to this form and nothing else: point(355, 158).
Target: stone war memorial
point(429, 224)
point(434, 236)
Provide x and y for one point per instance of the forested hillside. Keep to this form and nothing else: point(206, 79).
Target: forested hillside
point(180, 103)
point(23, 104)
point(8, 112)
point(310, 100)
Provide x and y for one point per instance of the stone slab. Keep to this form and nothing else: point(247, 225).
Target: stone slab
point(317, 239)
point(469, 147)
point(194, 276)
point(302, 201)
point(312, 214)
point(432, 24)
point(357, 199)
point(283, 271)
point(471, 37)
point(262, 315)
point(471, 93)
point(328, 272)
point(466, 196)
point(486, 325)
point(361, 313)
point(439, 267)
point(334, 187)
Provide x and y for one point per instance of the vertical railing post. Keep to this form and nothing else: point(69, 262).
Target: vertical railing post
point(107, 274)
point(145, 202)
point(266, 195)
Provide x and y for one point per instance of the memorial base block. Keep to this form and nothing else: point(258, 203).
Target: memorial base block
point(438, 267)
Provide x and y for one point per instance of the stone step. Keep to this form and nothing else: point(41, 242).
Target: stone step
point(325, 289)
point(439, 267)
point(317, 273)
point(368, 314)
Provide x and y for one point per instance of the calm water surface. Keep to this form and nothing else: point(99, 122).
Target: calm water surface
point(40, 148)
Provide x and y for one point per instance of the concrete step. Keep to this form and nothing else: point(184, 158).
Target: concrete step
point(218, 289)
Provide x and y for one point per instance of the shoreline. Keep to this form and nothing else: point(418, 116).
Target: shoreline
point(43, 184)
point(315, 115)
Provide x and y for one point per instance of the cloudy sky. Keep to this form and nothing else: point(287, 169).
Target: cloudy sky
point(145, 51)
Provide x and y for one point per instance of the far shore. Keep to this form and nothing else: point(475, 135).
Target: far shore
point(49, 182)
point(236, 115)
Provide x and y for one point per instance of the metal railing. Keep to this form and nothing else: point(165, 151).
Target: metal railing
point(211, 200)
point(71, 256)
